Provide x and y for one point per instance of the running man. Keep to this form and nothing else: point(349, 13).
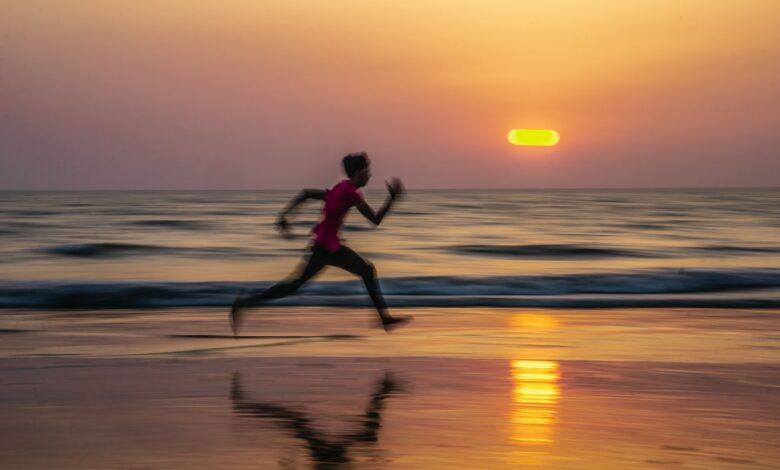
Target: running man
point(326, 248)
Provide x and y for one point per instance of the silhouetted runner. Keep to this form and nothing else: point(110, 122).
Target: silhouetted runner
point(326, 248)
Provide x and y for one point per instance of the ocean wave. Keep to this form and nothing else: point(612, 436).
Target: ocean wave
point(112, 250)
point(756, 288)
point(547, 251)
point(730, 250)
point(172, 224)
point(309, 225)
point(641, 226)
point(31, 213)
point(411, 213)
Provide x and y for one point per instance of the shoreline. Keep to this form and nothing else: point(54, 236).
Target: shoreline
point(671, 335)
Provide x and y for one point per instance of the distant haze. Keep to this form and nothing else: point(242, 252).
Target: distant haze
point(247, 94)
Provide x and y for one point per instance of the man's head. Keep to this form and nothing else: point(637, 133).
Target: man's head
point(356, 166)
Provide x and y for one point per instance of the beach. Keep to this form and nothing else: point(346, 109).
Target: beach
point(681, 388)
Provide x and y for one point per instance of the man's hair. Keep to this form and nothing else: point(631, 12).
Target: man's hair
point(354, 162)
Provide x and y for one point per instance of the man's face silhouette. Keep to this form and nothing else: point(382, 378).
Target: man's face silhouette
point(362, 176)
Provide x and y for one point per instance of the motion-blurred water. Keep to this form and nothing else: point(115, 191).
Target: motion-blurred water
point(708, 248)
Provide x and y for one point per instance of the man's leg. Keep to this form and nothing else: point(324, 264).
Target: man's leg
point(313, 265)
point(350, 261)
point(317, 260)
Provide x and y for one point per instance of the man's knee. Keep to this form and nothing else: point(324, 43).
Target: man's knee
point(368, 271)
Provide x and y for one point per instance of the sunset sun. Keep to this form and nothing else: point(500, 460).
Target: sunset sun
point(533, 137)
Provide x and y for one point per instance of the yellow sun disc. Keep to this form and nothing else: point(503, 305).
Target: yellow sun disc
point(533, 137)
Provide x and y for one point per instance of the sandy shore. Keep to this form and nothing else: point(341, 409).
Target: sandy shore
point(660, 335)
point(320, 388)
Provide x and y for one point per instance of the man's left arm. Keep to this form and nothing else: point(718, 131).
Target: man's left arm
point(281, 220)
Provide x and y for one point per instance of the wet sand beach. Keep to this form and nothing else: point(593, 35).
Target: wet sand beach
point(458, 388)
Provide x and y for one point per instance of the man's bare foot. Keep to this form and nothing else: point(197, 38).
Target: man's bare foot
point(391, 323)
point(237, 315)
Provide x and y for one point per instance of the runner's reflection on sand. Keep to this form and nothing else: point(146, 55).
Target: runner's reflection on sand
point(325, 452)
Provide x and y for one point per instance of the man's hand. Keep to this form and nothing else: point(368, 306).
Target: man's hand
point(282, 225)
point(395, 187)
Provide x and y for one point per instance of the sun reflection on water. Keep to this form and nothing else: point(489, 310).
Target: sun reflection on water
point(535, 395)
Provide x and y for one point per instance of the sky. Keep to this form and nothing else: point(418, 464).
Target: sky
point(252, 94)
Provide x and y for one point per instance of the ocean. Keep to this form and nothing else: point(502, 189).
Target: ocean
point(512, 248)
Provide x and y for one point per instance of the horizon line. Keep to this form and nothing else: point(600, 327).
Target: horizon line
point(562, 188)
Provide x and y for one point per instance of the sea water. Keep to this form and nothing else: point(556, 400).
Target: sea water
point(454, 248)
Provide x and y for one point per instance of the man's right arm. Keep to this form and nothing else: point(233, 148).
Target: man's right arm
point(395, 188)
point(374, 217)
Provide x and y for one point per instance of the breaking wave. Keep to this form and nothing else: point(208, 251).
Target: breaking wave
point(113, 250)
point(551, 251)
point(655, 288)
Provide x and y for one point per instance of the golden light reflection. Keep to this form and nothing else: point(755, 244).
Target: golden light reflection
point(532, 321)
point(535, 395)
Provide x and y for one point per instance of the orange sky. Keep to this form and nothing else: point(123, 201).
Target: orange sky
point(247, 94)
